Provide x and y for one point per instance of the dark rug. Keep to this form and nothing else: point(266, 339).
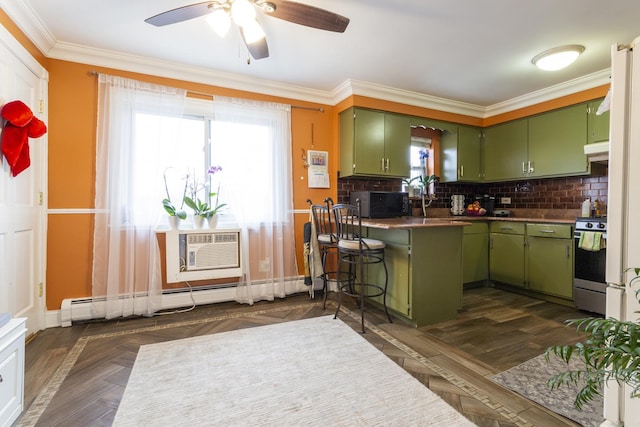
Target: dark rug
point(529, 379)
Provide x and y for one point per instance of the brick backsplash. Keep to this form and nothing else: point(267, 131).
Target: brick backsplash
point(547, 193)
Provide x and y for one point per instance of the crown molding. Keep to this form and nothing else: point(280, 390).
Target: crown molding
point(29, 23)
point(417, 99)
point(579, 84)
point(143, 65)
point(138, 64)
point(14, 46)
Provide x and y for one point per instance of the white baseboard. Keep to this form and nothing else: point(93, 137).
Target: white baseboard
point(77, 309)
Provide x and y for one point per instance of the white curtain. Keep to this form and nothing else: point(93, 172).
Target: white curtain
point(251, 140)
point(129, 190)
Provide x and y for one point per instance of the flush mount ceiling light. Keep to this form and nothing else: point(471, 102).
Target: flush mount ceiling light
point(558, 57)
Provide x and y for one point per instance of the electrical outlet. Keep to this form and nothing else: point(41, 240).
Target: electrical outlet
point(505, 200)
point(264, 265)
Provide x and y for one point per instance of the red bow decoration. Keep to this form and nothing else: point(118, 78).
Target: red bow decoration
point(21, 125)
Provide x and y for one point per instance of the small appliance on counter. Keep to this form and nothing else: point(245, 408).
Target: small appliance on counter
point(502, 213)
point(487, 202)
point(381, 204)
point(457, 204)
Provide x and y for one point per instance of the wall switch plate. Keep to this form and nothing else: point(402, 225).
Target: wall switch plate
point(505, 200)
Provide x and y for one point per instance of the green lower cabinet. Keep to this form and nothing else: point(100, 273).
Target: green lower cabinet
point(550, 260)
point(507, 258)
point(475, 253)
point(537, 258)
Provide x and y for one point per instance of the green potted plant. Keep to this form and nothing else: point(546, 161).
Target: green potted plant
point(611, 351)
point(175, 214)
point(407, 185)
point(425, 182)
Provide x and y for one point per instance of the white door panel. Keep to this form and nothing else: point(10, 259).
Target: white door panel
point(23, 219)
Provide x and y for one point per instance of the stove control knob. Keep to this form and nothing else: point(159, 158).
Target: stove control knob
point(589, 225)
point(601, 225)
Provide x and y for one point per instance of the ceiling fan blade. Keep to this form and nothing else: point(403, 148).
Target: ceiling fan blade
point(309, 16)
point(180, 14)
point(258, 49)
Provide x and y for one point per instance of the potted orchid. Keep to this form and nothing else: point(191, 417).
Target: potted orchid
point(175, 214)
point(201, 208)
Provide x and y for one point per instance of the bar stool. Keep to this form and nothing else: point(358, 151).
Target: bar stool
point(327, 241)
point(358, 253)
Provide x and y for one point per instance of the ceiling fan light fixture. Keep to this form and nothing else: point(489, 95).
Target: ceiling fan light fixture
point(242, 12)
point(253, 32)
point(558, 57)
point(219, 21)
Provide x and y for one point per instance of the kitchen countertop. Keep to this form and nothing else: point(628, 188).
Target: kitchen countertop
point(518, 219)
point(451, 221)
point(549, 216)
point(406, 222)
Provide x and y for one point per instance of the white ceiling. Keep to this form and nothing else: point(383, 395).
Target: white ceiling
point(475, 52)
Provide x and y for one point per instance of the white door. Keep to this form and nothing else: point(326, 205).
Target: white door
point(22, 207)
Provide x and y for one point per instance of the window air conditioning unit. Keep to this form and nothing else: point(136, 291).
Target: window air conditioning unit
point(206, 251)
point(202, 254)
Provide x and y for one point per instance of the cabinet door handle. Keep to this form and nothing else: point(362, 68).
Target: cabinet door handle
point(382, 164)
point(568, 251)
point(547, 231)
point(461, 171)
point(531, 164)
point(387, 168)
point(524, 171)
point(506, 228)
point(1, 379)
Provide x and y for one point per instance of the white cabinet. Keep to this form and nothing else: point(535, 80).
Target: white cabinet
point(11, 370)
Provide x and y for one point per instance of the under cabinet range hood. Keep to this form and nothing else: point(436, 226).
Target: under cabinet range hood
point(598, 152)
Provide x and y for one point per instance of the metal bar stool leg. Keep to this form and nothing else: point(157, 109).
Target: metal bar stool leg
point(384, 292)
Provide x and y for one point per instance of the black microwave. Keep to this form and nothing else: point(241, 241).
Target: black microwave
point(381, 204)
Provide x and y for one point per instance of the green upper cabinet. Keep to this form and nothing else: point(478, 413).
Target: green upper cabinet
point(374, 143)
point(556, 142)
point(505, 151)
point(397, 145)
point(546, 145)
point(460, 154)
point(597, 125)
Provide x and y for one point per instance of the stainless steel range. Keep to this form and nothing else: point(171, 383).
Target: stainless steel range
point(589, 284)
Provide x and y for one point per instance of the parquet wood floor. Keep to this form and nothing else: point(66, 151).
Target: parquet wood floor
point(496, 330)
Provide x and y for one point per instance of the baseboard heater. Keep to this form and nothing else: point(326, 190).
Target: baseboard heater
point(80, 309)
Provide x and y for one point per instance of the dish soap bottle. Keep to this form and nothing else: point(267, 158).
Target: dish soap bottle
point(586, 208)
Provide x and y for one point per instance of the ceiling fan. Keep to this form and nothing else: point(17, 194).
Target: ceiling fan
point(220, 14)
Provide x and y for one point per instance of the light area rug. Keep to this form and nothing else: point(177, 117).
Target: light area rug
point(312, 372)
point(530, 380)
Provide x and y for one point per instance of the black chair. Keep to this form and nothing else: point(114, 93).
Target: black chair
point(357, 254)
point(327, 241)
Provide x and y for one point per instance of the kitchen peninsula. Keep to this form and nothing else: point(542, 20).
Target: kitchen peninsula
point(424, 258)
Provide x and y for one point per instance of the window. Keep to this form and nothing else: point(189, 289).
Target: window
point(189, 158)
point(419, 146)
point(243, 149)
